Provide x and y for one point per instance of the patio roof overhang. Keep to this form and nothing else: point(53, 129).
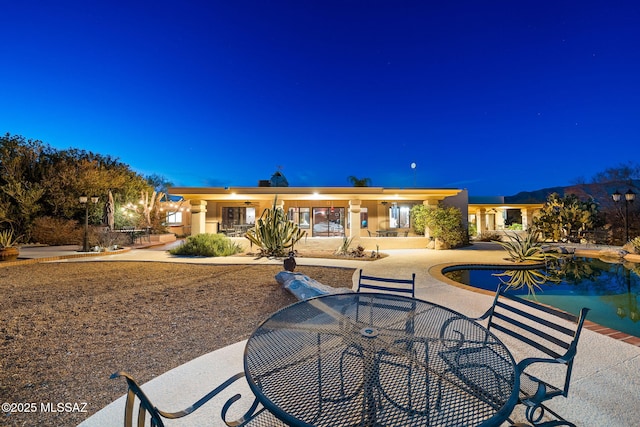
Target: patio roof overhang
point(312, 193)
point(475, 207)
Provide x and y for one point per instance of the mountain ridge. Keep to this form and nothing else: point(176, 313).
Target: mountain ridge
point(601, 192)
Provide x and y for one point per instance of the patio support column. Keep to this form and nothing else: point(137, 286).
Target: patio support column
point(198, 216)
point(354, 218)
point(527, 216)
point(481, 220)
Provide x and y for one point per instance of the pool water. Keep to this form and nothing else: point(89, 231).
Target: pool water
point(610, 290)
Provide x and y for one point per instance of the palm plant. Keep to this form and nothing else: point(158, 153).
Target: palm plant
point(359, 182)
point(273, 233)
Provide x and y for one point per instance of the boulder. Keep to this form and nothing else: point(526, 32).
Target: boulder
point(441, 245)
point(612, 253)
point(630, 248)
point(303, 287)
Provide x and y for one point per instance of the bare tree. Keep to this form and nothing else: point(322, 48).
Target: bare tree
point(622, 172)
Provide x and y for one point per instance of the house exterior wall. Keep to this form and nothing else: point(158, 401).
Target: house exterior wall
point(208, 204)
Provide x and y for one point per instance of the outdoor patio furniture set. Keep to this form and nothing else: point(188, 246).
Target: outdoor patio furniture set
point(381, 357)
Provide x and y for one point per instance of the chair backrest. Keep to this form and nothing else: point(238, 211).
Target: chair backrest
point(539, 326)
point(253, 416)
point(145, 406)
point(394, 286)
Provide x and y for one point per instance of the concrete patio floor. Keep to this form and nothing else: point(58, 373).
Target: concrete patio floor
point(605, 386)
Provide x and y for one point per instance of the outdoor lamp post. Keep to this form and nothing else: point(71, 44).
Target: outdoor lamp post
point(84, 200)
point(629, 197)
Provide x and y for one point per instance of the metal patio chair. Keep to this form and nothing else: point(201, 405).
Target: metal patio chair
point(405, 287)
point(254, 417)
point(391, 286)
point(541, 328)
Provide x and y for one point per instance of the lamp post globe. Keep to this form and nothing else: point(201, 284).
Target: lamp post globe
point(629, 197)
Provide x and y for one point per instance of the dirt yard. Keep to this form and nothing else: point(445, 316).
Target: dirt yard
point(66, 327)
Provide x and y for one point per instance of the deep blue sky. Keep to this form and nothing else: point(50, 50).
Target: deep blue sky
point(494, 96)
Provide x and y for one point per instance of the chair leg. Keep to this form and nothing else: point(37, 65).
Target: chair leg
point(535, 413)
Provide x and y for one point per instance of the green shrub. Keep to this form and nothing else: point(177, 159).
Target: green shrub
point(444, 223)
point(56, 231)
point(207, 245)
point(515, 226)
point(473, 229)
point(418, 218)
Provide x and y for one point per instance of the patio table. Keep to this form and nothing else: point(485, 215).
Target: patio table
point(370, 359)
point(135, 233)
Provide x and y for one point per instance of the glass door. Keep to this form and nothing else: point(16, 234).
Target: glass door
point(328, 222)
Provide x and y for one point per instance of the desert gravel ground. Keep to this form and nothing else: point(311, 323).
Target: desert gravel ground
point(66, 327)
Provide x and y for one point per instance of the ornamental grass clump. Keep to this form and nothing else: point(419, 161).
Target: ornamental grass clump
point(344, 247)
point(207, 245)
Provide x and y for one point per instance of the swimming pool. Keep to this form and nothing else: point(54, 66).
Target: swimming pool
point(610, 289)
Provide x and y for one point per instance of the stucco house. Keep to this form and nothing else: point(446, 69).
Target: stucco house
point(366, 214)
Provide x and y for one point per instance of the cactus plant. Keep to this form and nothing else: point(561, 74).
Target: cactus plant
point(273, 233)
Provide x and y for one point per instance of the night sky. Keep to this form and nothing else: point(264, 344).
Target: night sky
point(493, 96)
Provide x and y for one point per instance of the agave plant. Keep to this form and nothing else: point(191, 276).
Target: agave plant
point(517, 279)
point(8, 239)
point(525, 249)
point(273, 233)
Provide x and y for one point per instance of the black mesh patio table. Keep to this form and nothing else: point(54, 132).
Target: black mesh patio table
point(367, 359)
